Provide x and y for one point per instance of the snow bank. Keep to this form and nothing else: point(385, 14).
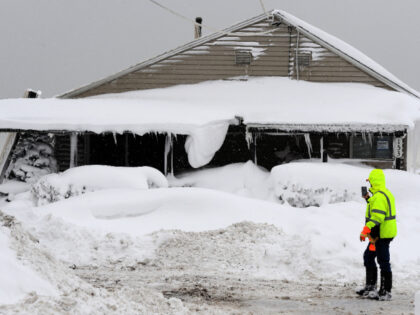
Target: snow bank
point(70, 293)
point(16, 279)
point(315, 184)
point(245, 179)
point(11, 187)
point(140, 212)
point(80, 180)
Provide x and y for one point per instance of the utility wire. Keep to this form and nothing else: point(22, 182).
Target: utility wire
point(205, 25)
point(180, 15)
point(263, 7)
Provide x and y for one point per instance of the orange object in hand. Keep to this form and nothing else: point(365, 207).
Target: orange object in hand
point(364, 234)
point(372, 247)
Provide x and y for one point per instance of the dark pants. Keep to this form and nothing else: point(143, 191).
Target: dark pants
point(381, 253)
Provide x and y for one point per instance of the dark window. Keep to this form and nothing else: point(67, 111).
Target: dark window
point(304, 60)
point(373, 147)
point(243, 57)
point(273, 149)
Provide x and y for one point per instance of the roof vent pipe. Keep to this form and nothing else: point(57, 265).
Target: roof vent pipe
point(197, 27)
point(29, 93)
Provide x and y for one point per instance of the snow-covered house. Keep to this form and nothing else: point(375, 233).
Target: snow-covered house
point(271, 89)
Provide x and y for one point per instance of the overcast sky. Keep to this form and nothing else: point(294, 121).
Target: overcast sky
point(58, 45)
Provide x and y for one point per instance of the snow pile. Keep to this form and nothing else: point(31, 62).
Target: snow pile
point(33, 158)
point(11, 187)
point(300, 184)
point(245, 248)
point(51, 287)
point(16, 280)
point(315, 184)
point(245, 179)
point(79, 180)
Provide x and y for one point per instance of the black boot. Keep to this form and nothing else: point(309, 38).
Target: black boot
point(371, 279)
point(386, 286)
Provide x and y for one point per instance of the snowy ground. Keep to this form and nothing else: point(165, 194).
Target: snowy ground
point(237, 239)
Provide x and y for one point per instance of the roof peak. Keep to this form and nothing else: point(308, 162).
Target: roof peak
point(336, 45)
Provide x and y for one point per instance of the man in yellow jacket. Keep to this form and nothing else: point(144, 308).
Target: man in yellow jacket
point(381, 228)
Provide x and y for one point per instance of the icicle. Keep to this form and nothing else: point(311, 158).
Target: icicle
point(321, 148)
point(370, 138)
point(115, 137)
point(168, 149)
point(73, 149)
point(308, 144)
point(249, 138)
point(364, 136)
point(255, 150)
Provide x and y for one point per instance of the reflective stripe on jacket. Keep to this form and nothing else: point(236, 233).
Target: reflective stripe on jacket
point(380, 210)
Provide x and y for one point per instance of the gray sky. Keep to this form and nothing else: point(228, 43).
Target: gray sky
point(58, 45)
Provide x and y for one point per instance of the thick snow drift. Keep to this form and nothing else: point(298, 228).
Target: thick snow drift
point(245, 179)
point(315, 184)
point(79, 180)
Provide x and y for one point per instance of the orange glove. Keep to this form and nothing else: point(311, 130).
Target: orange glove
point(364, 233)
point(372, 247)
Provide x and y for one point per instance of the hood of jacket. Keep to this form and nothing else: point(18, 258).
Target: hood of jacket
point(377, 180)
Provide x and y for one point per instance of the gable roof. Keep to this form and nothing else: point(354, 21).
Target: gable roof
point(339, 47)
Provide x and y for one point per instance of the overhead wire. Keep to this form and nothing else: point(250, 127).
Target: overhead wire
point(263, 8)
point(208, 26)
point(181, 15)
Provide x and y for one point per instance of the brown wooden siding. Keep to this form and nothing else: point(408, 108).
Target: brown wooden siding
point(274, 50)
point(325, 66)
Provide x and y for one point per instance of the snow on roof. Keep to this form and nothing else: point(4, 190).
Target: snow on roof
point(204, 111)
point(347, 51)
point(182, 108)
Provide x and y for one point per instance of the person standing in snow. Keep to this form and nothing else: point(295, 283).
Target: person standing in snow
point(380, 228)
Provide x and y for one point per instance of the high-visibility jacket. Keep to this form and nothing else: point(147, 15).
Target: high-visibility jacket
point(380, 210)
